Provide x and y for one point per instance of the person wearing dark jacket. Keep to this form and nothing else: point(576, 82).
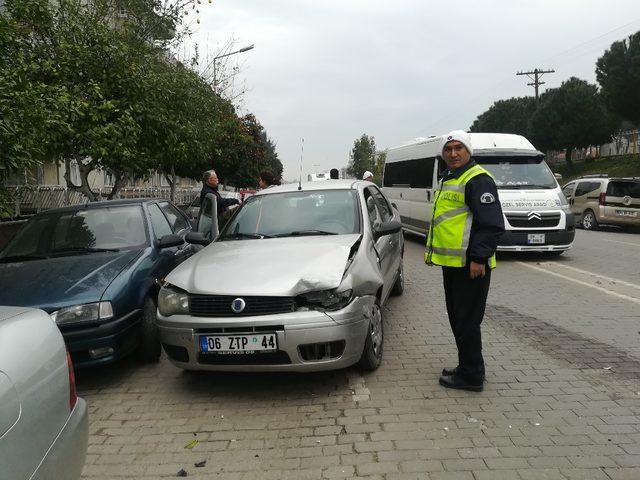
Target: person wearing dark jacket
point(466, 225)
point(210, 185)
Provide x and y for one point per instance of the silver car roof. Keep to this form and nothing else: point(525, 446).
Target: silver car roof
point(315, 186)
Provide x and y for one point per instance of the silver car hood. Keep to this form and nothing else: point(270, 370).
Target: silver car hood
point(271, 267)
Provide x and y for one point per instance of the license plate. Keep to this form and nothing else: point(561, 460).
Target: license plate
point(535, 238)
point(626, 213)
point(263, 342)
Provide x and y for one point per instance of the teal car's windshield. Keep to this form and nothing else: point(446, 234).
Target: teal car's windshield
point(78, 232)
point(513, 172)
point(317, 212)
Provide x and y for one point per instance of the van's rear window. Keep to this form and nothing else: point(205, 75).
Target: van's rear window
point(624, 189)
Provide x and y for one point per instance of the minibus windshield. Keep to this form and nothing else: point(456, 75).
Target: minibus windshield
point(518, 172)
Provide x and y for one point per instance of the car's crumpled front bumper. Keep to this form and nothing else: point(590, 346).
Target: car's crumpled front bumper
point(180, 335)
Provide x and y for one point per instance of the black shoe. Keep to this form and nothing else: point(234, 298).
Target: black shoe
point(447, 372)
point(458, 382)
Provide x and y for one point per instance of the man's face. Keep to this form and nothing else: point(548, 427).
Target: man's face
point(369, 179)
point(213, 180)
point(455, 155)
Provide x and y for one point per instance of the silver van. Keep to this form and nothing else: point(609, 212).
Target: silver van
point(597, 199)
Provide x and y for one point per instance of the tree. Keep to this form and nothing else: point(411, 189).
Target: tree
point(571, 116)
point(506, 116)
point(362, 156)
point(378, 169)
point(618, 73)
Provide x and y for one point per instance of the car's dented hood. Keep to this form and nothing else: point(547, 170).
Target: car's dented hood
point(273, 266)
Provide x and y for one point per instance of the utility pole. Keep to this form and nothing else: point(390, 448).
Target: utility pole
point(537, 75)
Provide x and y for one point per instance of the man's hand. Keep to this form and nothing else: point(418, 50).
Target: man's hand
point(476, 270)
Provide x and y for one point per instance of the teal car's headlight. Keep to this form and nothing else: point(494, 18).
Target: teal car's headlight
point(88, 312)
point(325, 299)
point(172, 301)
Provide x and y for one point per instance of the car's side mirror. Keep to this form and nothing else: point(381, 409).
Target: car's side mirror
point(208, 217)
point(168, 241)
point(196, 238)
point(386, 228)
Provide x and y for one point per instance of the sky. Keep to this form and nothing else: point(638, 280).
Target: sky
point(329, 71)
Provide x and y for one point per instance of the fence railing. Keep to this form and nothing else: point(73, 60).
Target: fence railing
point(31, 199)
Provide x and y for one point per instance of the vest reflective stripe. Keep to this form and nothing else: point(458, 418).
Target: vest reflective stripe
point(450, 230)
point(453, 188)
point(452, 252)
point(451, 213)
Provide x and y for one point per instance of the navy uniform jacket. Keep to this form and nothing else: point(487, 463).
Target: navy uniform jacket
point(481, 196)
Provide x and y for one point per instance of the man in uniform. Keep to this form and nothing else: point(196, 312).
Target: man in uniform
point(466, 225)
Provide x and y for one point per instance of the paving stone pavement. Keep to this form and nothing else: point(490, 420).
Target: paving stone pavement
point(550, 409)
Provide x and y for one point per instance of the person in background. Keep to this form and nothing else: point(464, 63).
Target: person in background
point(463, 237)
point(210, 185)
point(367, 176)
point(268, 179)
point(334, 174)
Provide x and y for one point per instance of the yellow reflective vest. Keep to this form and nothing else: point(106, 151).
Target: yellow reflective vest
point(450, 229)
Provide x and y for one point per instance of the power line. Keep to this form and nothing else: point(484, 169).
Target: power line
point(476, 98)
point(535, 80)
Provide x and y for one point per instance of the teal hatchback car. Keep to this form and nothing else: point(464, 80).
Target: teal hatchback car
point(96, 269)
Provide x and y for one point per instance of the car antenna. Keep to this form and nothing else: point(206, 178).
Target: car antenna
point(301, 153)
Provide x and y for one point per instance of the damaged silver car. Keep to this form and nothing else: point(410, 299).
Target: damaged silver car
point(295, 281)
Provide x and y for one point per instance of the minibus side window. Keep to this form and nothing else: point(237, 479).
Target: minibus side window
point(415, 173)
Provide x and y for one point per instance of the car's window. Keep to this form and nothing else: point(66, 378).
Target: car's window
point(176, 219)
point(372, 208)
point(158, 222)
point(568, 190)
point(624, 189)
point(383, 205)
point(81, 231)
point(586, 187)
point(313, 212)
point(27, 240)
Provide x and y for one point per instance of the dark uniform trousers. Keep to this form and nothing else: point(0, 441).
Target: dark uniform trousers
point(466, 300)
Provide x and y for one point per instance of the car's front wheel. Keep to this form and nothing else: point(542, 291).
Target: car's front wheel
point(149, 349)
point(589, 221)
point(372, 353)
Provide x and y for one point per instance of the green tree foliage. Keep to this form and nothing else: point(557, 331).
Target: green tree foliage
point(506, 116)
point(618, 73)
point(362, 156)
point(26, 101)
point(571, 116)
point(84, 82)
point(378, 168)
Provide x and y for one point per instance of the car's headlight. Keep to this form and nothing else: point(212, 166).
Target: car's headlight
point(89, 312)
point(325, 299)
point(172, 301)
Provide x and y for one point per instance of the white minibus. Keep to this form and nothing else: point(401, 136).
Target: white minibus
point(536, 214)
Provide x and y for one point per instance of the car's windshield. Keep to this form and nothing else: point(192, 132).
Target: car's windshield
point(316, 212)
point(79, 232)
point(519, 172)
